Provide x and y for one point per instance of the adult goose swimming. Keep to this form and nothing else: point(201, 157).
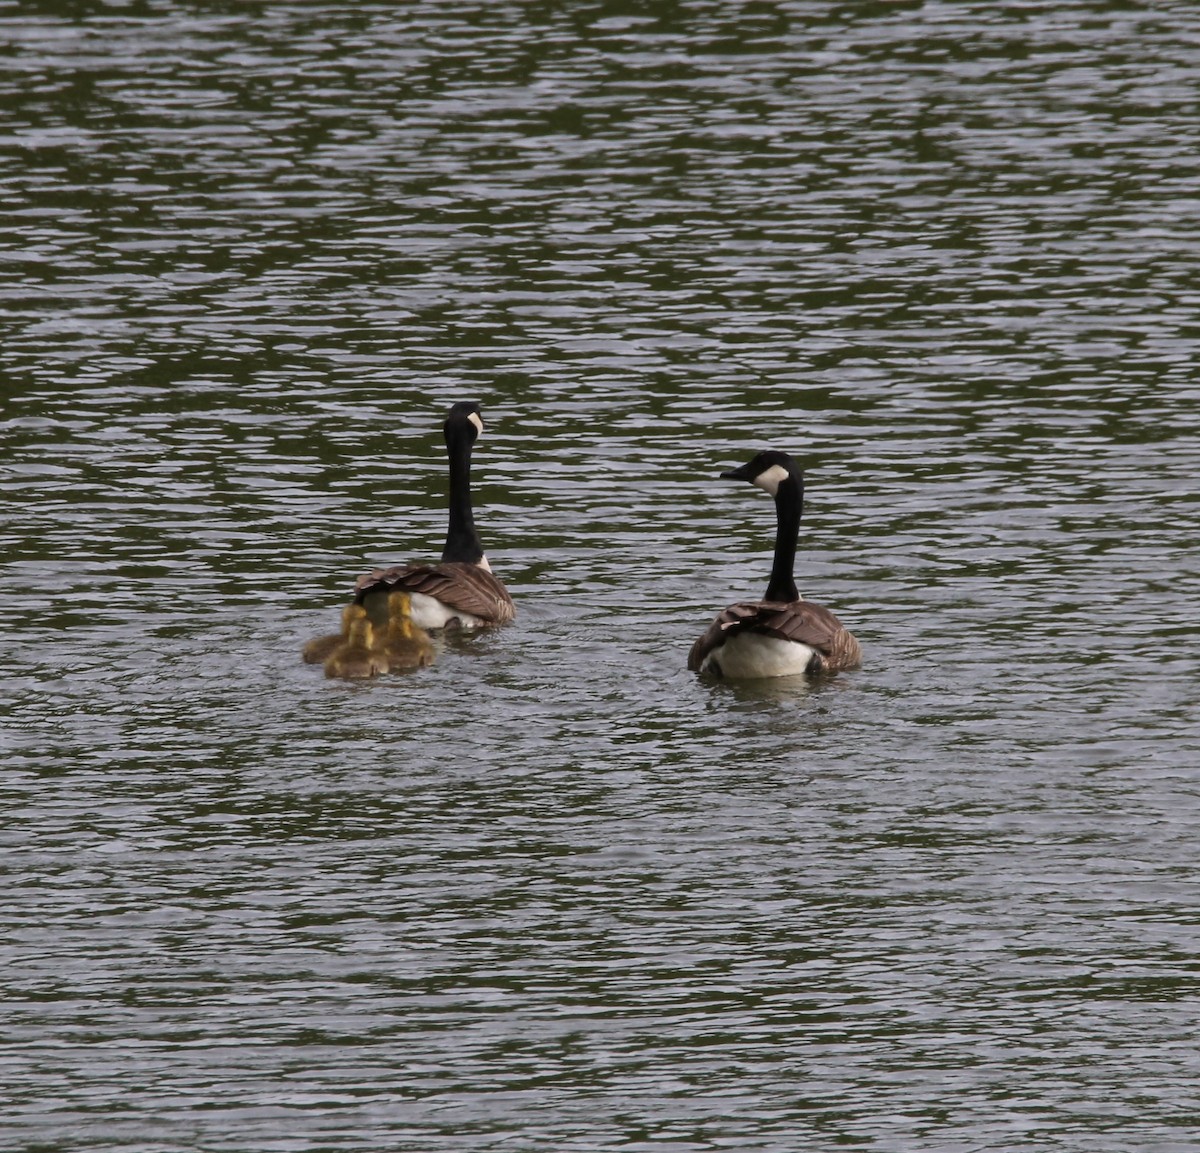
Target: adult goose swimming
point(460, 590)
point(782, 634)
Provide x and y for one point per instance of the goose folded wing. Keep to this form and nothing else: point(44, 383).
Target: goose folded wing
point(465, 587)
point(808, 624)
point(800, 621)
point(746, 616)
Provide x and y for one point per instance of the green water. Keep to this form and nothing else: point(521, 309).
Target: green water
point(555, 893)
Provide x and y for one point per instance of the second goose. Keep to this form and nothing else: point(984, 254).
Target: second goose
point(782, 634)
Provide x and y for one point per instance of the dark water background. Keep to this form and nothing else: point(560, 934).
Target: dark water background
point(555, 893)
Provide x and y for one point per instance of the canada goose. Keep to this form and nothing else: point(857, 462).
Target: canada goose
point(357, 656)
point(403, 644)
point(461, 589)
point(782, 634)
point(318, 649)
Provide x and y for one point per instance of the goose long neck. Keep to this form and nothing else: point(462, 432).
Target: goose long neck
point(462, 541)
point(789, 504)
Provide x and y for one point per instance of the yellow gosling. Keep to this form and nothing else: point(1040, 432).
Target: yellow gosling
point(357, 657)
point(317, 651)
point(405, 644)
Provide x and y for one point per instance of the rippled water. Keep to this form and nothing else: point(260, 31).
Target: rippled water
point(555, 892)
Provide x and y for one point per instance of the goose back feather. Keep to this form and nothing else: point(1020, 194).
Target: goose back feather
point(452, 592)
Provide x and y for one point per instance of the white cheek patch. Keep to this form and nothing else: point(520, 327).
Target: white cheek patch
point(477, 421)
point(771, 479)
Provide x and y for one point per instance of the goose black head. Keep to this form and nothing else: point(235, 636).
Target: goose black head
point(767, 469)
point(464, 421)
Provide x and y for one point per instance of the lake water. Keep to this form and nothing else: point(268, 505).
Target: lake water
point(556, 893)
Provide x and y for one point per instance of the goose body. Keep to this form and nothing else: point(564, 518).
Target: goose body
point(461, 589)
point(782, 634)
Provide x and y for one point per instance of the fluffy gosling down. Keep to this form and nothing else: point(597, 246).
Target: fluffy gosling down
point(782, 634)
point(404, 644)
point(377, 637)
point(317, 651)
point(358, 656)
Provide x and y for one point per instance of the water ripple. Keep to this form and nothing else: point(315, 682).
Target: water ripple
point(555, 893)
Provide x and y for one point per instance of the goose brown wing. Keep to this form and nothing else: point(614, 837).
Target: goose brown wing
point(801, 622)
point(462, 586)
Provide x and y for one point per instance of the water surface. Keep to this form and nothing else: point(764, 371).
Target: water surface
point(555, 892)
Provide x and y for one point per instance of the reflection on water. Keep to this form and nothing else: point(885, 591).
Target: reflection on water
point(554, 891)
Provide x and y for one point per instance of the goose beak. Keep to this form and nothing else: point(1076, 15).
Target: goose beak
point(742, 473)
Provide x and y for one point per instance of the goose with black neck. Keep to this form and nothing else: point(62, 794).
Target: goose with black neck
point(460, 590)
point(782, 634)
